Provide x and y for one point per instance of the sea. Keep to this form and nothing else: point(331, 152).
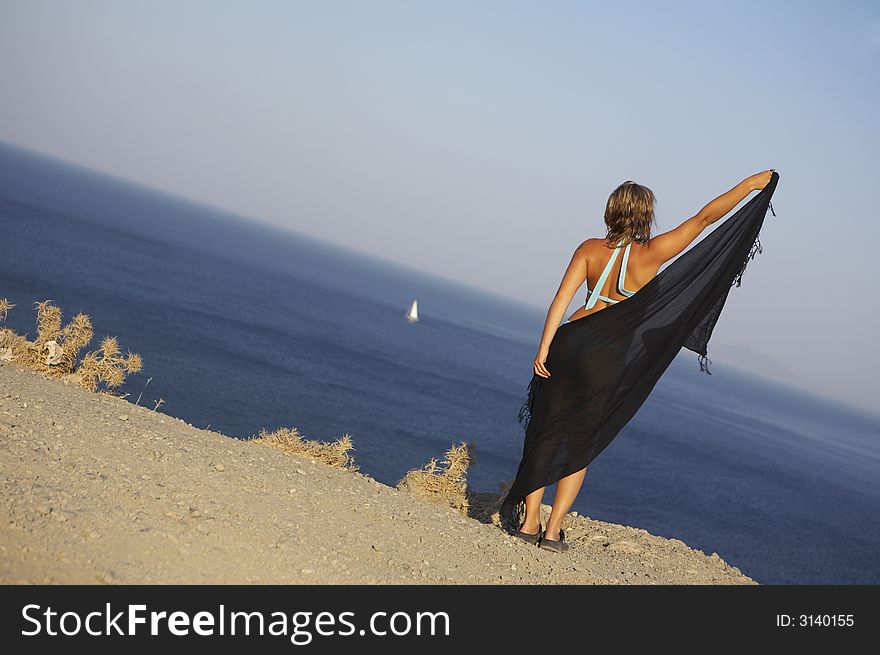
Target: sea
point(246, 327)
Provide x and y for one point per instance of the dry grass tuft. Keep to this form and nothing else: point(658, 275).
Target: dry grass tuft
point(289, 440)
point(48, 321)
point(75, 336)
point(5, 306)
point(13, 347)
point(55, 351)
point(445, 481)
point(106, 365)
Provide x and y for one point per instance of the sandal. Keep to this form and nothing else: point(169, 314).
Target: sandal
point(559, 546)
point(527, 537)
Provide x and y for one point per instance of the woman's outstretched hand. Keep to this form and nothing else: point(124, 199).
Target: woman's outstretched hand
point(540, 358)
point(759, 180)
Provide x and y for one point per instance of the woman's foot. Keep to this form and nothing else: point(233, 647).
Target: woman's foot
point(525, 533)
point(558, 545)
point(550, 533)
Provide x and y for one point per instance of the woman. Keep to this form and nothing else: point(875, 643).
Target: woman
point(605, 366)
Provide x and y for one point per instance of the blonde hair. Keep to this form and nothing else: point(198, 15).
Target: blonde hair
point(630, 213)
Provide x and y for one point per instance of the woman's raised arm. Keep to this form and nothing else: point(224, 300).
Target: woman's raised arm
point(667, 245)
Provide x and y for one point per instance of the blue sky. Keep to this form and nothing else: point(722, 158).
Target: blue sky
point(480, 140)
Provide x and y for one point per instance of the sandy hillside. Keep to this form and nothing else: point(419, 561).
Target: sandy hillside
point(97, 490)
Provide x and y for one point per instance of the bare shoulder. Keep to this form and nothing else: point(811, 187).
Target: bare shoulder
point(581, 252)
point(588, 244)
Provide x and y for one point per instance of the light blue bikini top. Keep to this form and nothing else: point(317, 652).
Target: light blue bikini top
point(593, 296)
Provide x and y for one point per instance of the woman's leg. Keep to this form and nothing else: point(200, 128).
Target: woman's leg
point(566, 491)
point(532, 522)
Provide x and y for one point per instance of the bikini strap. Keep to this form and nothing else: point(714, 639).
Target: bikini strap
point(620, 285)
point(594, 295)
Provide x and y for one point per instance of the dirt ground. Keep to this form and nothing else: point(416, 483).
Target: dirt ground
point(98, 490)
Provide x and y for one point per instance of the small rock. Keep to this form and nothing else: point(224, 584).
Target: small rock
point(123, 418)
point(219, 467)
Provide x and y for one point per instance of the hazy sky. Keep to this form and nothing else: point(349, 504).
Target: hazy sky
point(480, 140)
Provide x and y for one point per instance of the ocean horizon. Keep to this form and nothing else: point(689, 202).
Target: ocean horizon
point(244, 327)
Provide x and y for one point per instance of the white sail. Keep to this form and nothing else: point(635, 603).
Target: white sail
point(413, 313)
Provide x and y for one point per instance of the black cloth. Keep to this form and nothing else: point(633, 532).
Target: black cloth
point(604, 365)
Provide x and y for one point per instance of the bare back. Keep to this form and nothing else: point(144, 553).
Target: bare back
point(640, 269)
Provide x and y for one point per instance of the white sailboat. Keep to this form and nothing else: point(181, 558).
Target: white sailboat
point(413, 313)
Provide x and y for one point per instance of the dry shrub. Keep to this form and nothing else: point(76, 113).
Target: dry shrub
point(446, 481)
point(48, 321)
point(13, 347)
point(55, 350)
point(289, 440)
point(107, 365)
point(5, 306)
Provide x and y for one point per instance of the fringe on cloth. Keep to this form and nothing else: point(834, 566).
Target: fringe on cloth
point(704, 363)
point(525, 412)
point(737, 280)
